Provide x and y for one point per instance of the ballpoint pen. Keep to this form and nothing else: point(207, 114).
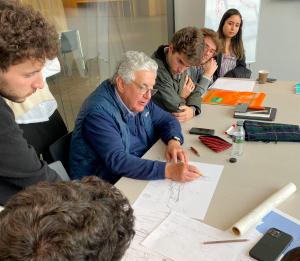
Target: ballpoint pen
point(195, 151)
point(224, 241)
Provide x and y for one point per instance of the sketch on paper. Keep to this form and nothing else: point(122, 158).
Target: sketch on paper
point(179, 230)
point(174, 192)
point(146, 221)
point(167, 195)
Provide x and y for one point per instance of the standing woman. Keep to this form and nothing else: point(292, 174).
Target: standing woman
point(231, 60)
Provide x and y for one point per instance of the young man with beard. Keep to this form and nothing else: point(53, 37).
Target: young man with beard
point(26, 41)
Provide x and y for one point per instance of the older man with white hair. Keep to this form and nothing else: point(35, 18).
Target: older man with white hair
point(118, 123)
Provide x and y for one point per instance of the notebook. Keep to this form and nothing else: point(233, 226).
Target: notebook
point(266, 114)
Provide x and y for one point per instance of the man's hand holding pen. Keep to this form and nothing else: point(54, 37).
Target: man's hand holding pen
point(195, 151)
point(177, 167)
point(181, 171)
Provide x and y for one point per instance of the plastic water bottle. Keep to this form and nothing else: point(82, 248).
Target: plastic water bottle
point(238, 139)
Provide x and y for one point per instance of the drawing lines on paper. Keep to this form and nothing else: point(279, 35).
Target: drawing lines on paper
point(174, 190)
point(146, 221)
point(167, 195)
point(179, 230)
point(140, 253)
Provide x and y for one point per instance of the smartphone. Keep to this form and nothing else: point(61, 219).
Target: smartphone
point(271, 245)
point(199, 131)
point(271, 80)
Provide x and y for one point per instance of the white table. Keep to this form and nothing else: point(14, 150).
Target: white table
point(262, 170)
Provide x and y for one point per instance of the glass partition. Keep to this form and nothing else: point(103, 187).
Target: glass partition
point(93, 35)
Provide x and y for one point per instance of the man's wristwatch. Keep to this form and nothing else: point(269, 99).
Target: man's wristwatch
point(176, 138)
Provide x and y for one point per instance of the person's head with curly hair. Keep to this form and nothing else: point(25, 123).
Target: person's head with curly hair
point(185, 49)
point(26, 41)
point(71, 220)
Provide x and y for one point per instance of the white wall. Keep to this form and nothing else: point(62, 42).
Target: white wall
point(278, 43)
point(278, 40)
point(189, 13)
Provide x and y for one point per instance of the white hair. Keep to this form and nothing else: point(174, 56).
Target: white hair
point(131, 62)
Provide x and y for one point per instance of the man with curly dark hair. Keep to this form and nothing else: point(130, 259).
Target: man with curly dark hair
point(79, 220)
point(26, 41)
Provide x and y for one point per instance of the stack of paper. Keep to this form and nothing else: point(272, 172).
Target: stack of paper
point(145, 222)
point(266, 114)
point(160, 198)
point(181, 238)
point(230, 84)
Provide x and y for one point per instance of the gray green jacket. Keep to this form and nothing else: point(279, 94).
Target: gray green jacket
point(169, 89)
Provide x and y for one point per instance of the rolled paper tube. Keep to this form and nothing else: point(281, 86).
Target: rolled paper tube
point(253, 217)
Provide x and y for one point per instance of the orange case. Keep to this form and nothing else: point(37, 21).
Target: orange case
point(233, 98)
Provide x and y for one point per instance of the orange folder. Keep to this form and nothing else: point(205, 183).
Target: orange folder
point(233, 98)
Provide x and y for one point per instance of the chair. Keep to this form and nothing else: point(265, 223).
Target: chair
point(60, 170)
point(59, 150)
point(42, 134)
point(70, 43)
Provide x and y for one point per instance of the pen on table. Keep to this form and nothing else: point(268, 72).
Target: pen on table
point(225, 241)
point(195, 151)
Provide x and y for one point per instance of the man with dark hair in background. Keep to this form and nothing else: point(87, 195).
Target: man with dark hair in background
point(26, 41)
point(72, 220)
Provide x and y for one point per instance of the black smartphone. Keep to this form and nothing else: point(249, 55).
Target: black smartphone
point(271, 245)
point(271, 80)
point(199, 131)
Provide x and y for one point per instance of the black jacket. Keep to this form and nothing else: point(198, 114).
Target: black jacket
point(19, 164)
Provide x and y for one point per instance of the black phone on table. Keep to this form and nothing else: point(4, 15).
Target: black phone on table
point(271, 245)
point(271, 80)
point(202, 131)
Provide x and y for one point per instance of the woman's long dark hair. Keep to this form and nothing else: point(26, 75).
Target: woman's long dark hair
point(236, 42)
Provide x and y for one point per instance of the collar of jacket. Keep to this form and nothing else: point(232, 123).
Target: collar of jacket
point(161, 55)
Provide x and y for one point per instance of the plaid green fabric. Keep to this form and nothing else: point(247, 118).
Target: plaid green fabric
point(261, 131)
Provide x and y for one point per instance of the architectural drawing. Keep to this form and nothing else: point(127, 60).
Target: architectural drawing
point(167, 195)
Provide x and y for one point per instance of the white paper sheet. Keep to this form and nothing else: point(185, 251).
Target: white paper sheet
point(190, 198)
point(239, 85)
point(181, 238)
point(146, 221)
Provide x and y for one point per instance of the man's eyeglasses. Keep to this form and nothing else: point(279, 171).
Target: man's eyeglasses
point(143, 89)
point(208, 50)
